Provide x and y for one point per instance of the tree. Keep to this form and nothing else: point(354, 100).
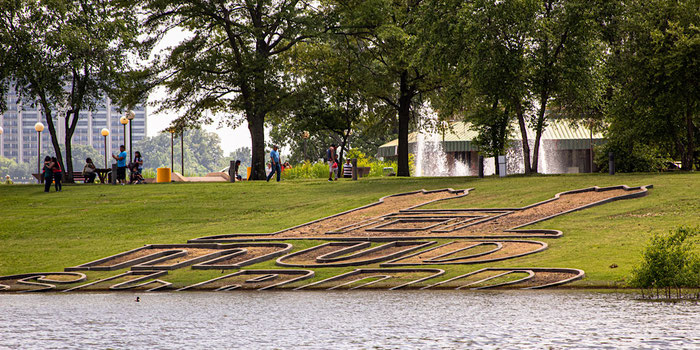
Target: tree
point(203, 152)
point(565, 61)
point(385, 35)
point(329, 103)
point(241, 153)
point(232, 61)
point(519, 57)
point(485, 54)
point(66, 55)
point(656, 97)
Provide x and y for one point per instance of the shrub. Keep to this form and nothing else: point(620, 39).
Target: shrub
point(306, 170)
point(319, 170)
point(631, 158)
point(669, 263)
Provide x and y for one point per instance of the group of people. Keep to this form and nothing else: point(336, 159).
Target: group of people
point(276, 167)
point(334, 166)
point(135, 167)
point(53, 173)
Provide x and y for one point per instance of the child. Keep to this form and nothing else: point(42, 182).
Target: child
point(347, 169)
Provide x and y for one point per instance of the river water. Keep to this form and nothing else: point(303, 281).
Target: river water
point(346, 320)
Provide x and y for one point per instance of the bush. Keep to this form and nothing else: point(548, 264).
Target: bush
point(632, 158)
point(308, 170)
point(670, 262)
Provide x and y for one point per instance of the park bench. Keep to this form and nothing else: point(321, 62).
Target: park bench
point(77, 176)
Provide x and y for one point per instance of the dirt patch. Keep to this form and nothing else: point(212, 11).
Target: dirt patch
point(369, 255)
point(251, 253)
point(379, 280)
point(451, 253)
point(459, 282)
point(543, 278)
point(191, 253)
point(497, 222)
point(388, 206)
point(565, 203)
point(131, 256)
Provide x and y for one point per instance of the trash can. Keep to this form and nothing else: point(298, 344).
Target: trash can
point(163, 175)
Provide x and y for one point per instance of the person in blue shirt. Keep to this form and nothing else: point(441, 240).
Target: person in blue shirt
point(275, 162)
point(121, 164)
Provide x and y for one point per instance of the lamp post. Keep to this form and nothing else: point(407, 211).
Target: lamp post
point(124, 121)
point(182, 151)
point(130, 115)
point(171, 130)
point(39, 128)
point(305, 136)
point(105, 133)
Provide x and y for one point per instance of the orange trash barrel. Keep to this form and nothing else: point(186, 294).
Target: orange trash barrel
point(163, 175)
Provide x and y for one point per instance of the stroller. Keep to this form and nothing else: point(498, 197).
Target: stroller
point(136, 177)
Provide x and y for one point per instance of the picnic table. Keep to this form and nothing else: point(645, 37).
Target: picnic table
point(102, 174)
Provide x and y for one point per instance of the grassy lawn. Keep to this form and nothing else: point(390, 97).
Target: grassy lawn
point(47, 232)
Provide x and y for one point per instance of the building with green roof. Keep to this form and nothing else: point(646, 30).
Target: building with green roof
point(568, 144)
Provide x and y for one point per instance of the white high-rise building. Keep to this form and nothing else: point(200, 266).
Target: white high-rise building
point(19, 139)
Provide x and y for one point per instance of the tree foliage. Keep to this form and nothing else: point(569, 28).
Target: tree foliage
point(66, 55)
point(670, 262)
point(656, 98)
point(203, 152)
point(231, 64)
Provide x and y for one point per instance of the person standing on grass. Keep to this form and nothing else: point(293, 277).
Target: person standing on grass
point(57, 174)
point(121, 164)
point(47, 173)
point(330, 156)
point(347, 169)
point(275, 165)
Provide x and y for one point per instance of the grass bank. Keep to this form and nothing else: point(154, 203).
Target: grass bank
point(47, 232)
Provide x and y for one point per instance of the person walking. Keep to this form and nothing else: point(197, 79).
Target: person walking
point(57, 174)
point(275, 165)
point(330, 156)
point(47, 173)
point(121, 164)
point(89, 171)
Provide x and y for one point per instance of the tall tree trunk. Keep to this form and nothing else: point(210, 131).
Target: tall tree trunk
point(539, 129)
point(77, 94)
point(523, 133)
point(688, 154)
point(405, 96)
point(52, 129)
point(256, 126)
point(70, 129)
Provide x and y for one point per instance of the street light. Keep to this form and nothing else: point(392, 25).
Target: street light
point(182, 154)
point(39, 128)
point(130, 115)
point(105, 133)
point(171, 130)
point(124, 121)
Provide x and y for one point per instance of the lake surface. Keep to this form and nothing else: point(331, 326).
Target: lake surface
point(346, 320)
